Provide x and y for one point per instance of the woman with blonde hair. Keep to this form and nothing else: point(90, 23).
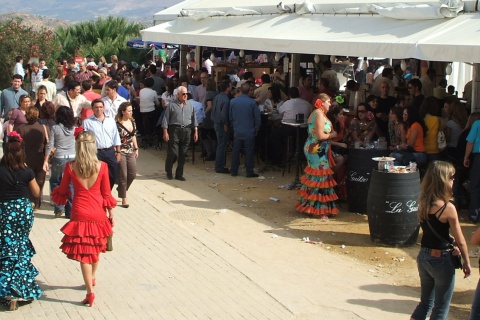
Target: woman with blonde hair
point(435, 260)
point(317, 194)
point(91, 219)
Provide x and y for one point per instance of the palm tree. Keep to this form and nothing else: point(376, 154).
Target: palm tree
point(104, 36)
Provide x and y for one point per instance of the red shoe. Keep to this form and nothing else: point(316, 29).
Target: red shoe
point(94, 282)
point(89, 299)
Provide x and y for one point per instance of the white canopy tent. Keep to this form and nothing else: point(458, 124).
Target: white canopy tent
point(259, 26)
point(425, 30)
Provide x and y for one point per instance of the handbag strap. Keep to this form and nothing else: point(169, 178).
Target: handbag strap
point(439, 237)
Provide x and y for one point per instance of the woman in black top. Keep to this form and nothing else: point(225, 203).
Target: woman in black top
point(17, 273)
point(434, 261)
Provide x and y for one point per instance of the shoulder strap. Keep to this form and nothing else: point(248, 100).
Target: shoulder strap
point(46, 133)
point(442, 209)
point(439, 237)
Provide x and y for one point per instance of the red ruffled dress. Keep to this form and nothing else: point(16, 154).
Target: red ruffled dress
point(87, 231)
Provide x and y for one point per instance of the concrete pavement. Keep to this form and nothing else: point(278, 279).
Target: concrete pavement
point(183, 251)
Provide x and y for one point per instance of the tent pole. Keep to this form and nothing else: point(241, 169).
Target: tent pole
point(198, 57)
point(476, 88)
point(183, 60)
point(294, 69)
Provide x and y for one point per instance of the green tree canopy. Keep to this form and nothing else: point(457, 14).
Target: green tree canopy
point(101, 37)
point(17, 39)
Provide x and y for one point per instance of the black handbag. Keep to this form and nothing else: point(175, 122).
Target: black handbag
point(457, 260)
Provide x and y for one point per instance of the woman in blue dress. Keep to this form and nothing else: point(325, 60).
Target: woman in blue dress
point(17, 273)
point(317, 194)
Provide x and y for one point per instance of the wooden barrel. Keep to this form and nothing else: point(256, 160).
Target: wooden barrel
point(392, 208)
point(359, 169)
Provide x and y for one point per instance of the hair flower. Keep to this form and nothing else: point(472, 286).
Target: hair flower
point(78, 130)
point(15, 136)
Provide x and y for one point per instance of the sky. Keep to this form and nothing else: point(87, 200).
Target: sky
point(88, 9)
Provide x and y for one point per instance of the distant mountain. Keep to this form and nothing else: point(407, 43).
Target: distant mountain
point(73, 11)
point(35, 21)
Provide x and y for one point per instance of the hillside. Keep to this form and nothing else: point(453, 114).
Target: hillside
point(35, 21)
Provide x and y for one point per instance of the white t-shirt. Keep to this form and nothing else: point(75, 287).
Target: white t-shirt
point(167, 97)
point(148, 100)
point(208, 64)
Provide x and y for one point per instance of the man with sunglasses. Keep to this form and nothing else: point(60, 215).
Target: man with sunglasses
point(177, 127)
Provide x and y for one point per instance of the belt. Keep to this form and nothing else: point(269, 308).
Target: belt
point(104, 149)
point(183, 126)
point(67, 156)
point(435, 252)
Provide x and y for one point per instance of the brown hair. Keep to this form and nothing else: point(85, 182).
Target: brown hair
point(31, 115)
point(14, 154)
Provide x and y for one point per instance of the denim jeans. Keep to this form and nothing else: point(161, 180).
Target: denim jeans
point(475, 313)
point(222, 142)
point(437, 279)
point(474, 209)
point(420, 158)
point(58, 164)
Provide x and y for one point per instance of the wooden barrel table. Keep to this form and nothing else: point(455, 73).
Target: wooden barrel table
point(393, 208)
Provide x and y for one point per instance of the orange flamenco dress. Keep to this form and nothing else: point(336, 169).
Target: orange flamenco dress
point(317, 194)
point(87, 231)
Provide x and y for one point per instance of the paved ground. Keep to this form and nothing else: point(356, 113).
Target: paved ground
point(183, 251)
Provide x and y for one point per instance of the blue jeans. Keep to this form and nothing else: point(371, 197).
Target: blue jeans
point(474, 209)
point(419, 157)
point(222, 142)
point(475, 313)
point(58, 164)
point(249, 147)
point(437, 279)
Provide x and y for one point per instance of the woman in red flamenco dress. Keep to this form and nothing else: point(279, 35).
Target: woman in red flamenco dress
point(92, 215)
point(317, 195)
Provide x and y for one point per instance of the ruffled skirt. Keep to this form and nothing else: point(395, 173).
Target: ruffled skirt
point(17, 273)
point(317, 194)
point(84, 240)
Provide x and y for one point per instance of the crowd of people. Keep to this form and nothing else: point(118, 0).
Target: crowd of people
point(80, 126)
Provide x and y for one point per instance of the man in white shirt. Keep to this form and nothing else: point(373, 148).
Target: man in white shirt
point(112, 100)
point(51, 87)
point(72, 98)
point(19, 67)
point(295, 105)
point(201, 91)
point(331, 76)
point(36, 75)
point(208, 64)
point(107, 138)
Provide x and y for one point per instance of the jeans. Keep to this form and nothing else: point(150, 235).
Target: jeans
point(58, 164)
point(474, 209)
point(249, 147)
point(222, 142)
point(437, 279)
point(475, 313)
point(108, 156)
point(419, 157)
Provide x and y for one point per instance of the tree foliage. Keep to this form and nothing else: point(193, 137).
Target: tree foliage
point(104, 36)
point(17, 39)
